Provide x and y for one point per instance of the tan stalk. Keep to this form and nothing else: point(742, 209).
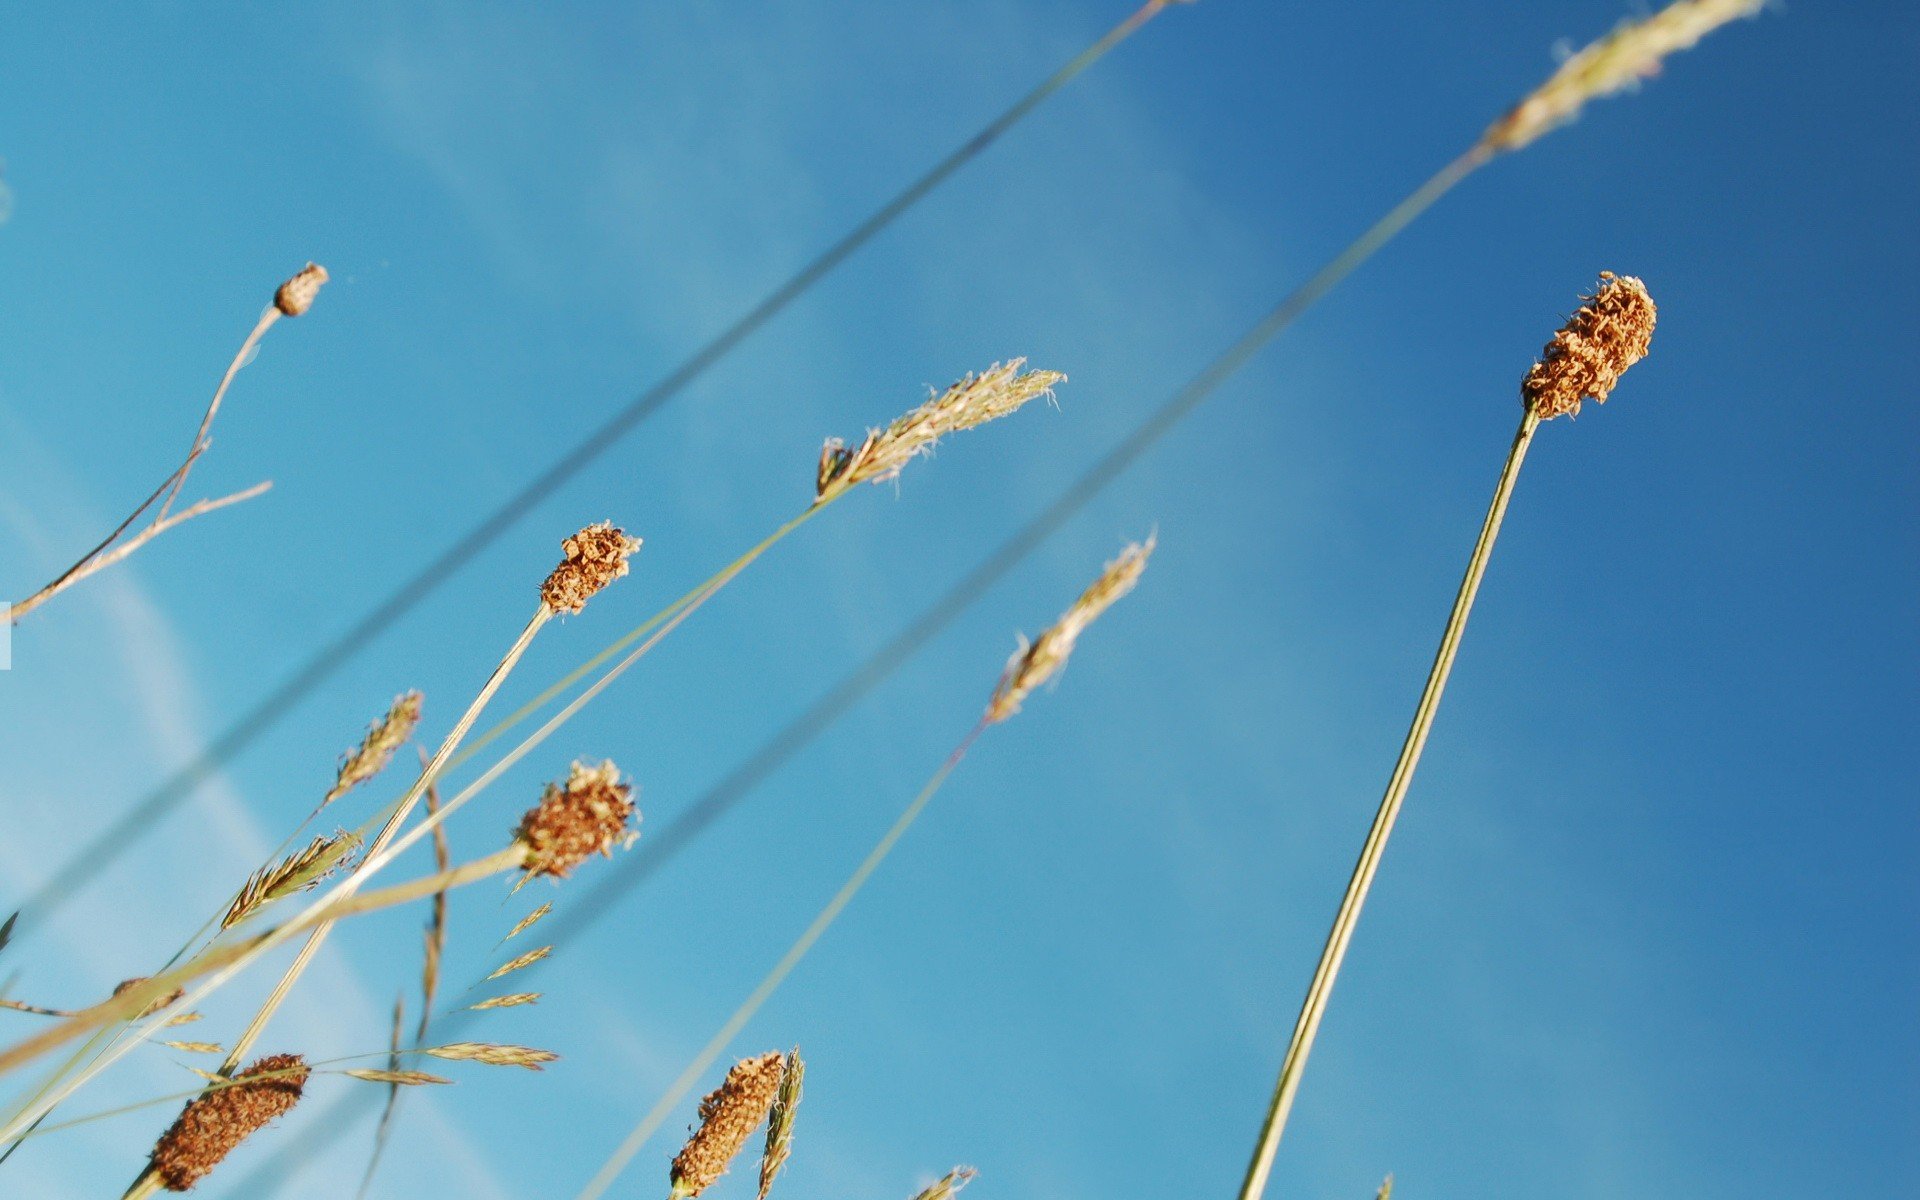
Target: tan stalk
point(1584, 360)
point(115, 548)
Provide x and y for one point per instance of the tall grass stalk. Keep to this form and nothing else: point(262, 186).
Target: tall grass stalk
point(1583, 361)
point(1335, 950)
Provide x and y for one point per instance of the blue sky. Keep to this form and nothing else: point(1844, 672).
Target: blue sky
point(1648, 925)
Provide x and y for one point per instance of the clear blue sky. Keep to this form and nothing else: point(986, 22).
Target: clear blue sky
point(1648, 927)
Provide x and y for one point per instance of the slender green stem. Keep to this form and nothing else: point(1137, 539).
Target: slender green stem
point(657, 1115)
point(1321, 988)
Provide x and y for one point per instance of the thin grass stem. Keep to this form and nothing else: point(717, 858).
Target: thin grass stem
point(1320, 990)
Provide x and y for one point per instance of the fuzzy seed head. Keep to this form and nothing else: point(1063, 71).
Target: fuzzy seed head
point(1609, 333)
point(1620, 60)
point(728, 1117)
point(375, 750)
point(595, 557)
point(994, 393)
point(215, 1122)
point(944, 1187)
point(1033, 664)
point(296, 295)
point(586, 816)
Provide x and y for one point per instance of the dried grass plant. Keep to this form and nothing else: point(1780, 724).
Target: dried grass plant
point(592, 812)
point(1610, 332)
point(292, 299)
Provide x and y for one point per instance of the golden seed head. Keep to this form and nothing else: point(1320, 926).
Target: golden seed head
point(376, 749)
point(1609, 333)
point(728, 1117)
point(153, 1006)
point(587, 816)
point(944, 1187)
point(996, 392)
point(295, 873)
point(216, 1121)
point(786, 1105)
point(1632, 52)
point(296, 295)
point(1034, 664)
point(595, 557)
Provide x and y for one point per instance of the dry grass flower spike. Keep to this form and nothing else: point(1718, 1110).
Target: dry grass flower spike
point(1036, 662)
point(786, 1106)
point(944, 1187)
point(587, 815)
point(999, 391)
point(595, 557)
point(375, 750)
point(217, 1121)
point(1622, 59)
point(728, 1116)
point(1610, 332)
point(297, 294)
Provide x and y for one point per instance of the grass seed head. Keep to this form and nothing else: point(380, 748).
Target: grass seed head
point(944, 1187)
point(1620, 60)
point(295, 873)
point(728, 1117)
point(994, 393)
point(1610, 332)
point(595, 557)
point(586, 816)
point(786, 1105)
point(215, 1122)
point(296, 295)
point(376, 749)
point(1033, 664)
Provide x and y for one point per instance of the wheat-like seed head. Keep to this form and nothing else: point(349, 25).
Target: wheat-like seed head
point(493, 1054)
point(944, 1187)
point(728, 1116)
point(994, 393)
point(376, 749)
point(295, 873)
point(1033, 664)
point(216, 1121)
point(1621, 59)
point(786, 1105)
point(295, 296)
point(586, 816)
point(595, 557)
point(1609, 333)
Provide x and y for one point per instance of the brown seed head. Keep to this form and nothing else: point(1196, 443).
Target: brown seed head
point(215, 1122)
point(596, 556)
point(587, 816)
point(375, 750)
point(944, 1187)
point(158, 1002)
point(996, 392)
point(728, 1117)
point(1032, 665)
point(296, 295)
point(1631, 53)
point(1609, 333)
